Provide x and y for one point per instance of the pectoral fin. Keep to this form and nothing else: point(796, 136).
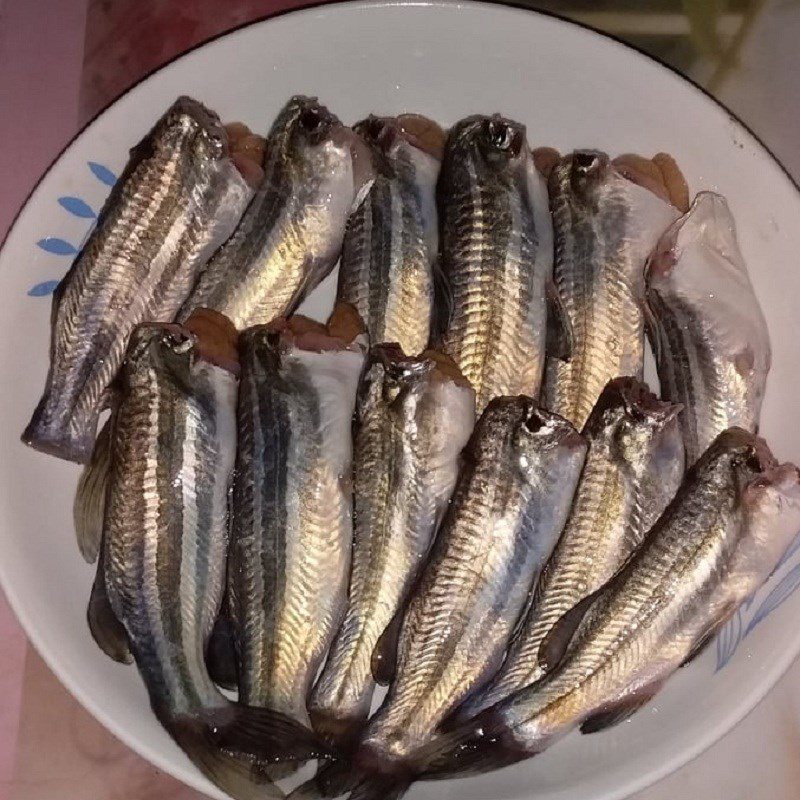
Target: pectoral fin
point(559, 340)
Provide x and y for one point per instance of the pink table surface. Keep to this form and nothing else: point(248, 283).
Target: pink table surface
point(60, 61)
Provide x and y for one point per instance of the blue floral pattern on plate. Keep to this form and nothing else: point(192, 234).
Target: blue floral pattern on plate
point(754, 611)
point(82, 210)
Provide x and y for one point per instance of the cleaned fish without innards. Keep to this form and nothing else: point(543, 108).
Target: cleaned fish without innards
point(178, 199)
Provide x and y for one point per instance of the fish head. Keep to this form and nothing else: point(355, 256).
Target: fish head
point(394, 384)
point(637, 424)
point(697, 264)
point(496, 142)
point(767, 495)
point(163, 349)
point(191, 127)
point(311, 141)
point(515, 430)
point(581, 175)
point(771, 501)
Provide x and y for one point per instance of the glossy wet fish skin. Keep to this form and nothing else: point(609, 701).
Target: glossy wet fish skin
point(604, 228)
point(510, 504)
point(711, 338)
point(289, 238)
point(496, 258)
point(634, 466)
point(414, 419)
point(715, 544)
point(291, 525)
point(166, 535)
point(391, 240)
point(178, 200)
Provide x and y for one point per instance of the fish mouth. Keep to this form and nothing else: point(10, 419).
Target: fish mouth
point(504, 136)
point(313, 118)
point(547, 424)
point(587, 169)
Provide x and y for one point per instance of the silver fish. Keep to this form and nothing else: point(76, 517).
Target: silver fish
point(510, 504)
point(315, 172)
point(715, 544)
point(165, 537)
point(391, 241)
point(633, 469)
point(709, 333)
point(414, 418)
point(605, 226)
point(496, 258)
point(178, 199)
point(292, 528)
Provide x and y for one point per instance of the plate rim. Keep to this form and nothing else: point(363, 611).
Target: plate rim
point(625, 787)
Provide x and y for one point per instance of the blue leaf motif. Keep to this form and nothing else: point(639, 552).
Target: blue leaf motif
point(729, 639)
point(102, 173)
point(782, 591)
point(77, 207)
point(43, 289)
point(57, 246)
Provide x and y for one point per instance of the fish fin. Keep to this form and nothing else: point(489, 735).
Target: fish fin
point(232, 774)
point(88, 509)
point(221, 657)
point(333, 780)
point(442, 303)
point(384, 656)
point(559, 339)
point(106, 629)
point(651, 327)
point(555, 644)
point(620, 711)
point(708, 636)
point(267, 735)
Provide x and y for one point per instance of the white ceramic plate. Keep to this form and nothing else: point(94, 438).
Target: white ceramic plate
point(573, 88)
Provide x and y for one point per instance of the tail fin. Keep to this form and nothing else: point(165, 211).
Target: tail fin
point(234, 775)
point(265, 735)
point(334, 780)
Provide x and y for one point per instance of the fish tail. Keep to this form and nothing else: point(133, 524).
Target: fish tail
point(335, 779)
point(266, 735)
point(51, 434)
point(234, 774)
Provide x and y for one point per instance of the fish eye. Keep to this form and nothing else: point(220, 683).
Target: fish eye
point(753, 462)
point(534, 422)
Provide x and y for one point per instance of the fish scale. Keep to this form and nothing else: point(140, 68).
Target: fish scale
point(386, 269)
point(604, 227)
point(179, 198)
point(712, 547)
point(633, 468)
point(290, 235)
point(495, 537)
point(711, 339)
point(291, 513)
point(414, 417)
point(496, 258)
